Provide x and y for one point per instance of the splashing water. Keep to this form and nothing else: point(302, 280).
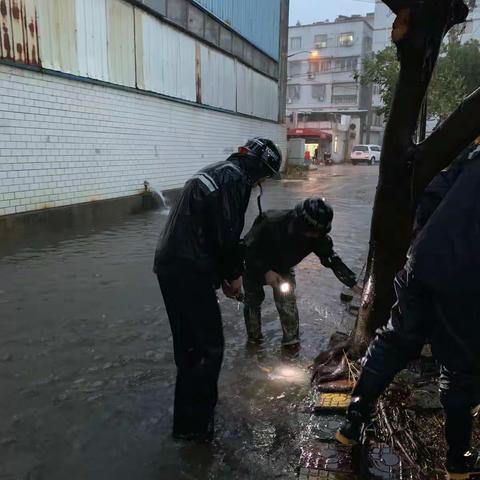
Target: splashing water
point(159, 197)
point(166, 205)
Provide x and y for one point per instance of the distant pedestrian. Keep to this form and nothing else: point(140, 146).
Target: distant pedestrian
point(306, 157)
point(198, 252)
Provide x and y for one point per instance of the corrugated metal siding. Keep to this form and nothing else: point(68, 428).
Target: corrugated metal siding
point(57, 38)
point(112, 41)
point(91, 23)
point(244, 89)
point(18, 31)
point(265, 94)
point(256, 95)
point(217, 76)
point(165, 58)
point(121, 43)
point(256, 20)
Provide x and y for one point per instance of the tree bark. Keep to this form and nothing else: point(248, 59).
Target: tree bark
point(451, 136)
point(418, 32)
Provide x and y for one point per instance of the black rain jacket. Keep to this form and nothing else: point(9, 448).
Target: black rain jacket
point(445, 253)
point(203, 230)
point(273, 244)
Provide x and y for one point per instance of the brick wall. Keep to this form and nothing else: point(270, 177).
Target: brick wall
point(64, 141)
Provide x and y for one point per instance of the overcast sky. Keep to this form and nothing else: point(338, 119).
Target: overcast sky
point(309, 11)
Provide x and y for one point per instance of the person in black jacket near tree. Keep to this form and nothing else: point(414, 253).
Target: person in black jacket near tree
point(277, 242)
point(198, 252)
point(438, 303)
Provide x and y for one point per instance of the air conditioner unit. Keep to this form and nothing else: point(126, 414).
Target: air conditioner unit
point(311, 75)
point(289, 100)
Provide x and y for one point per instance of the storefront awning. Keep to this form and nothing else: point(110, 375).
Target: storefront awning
point(308, 133)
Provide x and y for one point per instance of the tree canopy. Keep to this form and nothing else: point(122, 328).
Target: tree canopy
point(456, 76)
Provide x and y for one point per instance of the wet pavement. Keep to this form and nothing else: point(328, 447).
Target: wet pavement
point(86, 360)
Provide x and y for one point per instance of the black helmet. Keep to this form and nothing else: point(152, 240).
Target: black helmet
point(266, 151)
point(316, 213)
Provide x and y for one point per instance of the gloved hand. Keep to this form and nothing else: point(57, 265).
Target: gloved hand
point(232, 288)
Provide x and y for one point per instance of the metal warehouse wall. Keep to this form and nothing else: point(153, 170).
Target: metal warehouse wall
point(64, 142)
point(115, 42)
point(257, 20)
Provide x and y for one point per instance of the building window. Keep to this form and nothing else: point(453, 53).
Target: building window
point(345, 39)
point(295, 43)
point(377, 120)
point(321, 40)
point(314, 66)
point(376, 89)
point(294, 68)
point(325, 65)
point(345, 94)
point(318, 92)
point(293, 92)
point(367, 43)
point(346, 63)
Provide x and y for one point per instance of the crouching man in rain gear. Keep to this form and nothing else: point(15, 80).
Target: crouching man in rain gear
point(198, 252)
point(438, 295)
point(277, 242)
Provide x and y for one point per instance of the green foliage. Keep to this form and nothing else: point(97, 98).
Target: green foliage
point(456, 75)
point(382, 69)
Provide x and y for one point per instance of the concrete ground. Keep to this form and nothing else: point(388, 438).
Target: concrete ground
point(86, 358)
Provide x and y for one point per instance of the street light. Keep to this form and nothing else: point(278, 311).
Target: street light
point(313, 53)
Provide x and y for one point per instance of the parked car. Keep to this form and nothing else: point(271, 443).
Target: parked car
point(369, 154)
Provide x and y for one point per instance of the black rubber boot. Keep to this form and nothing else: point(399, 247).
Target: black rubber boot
point(197, 437)
point(359, 417)
point(461, 462)
point(463, 467)
point(253, 322)
point(360, 411)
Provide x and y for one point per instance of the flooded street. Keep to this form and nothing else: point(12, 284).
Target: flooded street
point(86, 359)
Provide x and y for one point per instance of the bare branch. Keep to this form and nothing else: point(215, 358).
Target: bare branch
point(447, 141)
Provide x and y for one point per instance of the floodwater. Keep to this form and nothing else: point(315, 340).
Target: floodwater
point(86, 359)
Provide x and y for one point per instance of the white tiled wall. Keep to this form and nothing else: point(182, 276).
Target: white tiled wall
point(64, 141)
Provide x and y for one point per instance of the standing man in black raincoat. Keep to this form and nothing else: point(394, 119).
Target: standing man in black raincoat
point(198, 252)
point(438, 294)
point(277, 242)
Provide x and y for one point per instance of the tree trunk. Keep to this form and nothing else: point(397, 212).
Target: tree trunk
point(406, 168)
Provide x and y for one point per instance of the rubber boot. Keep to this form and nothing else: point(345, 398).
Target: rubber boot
point(463, 467)
point(462, 463)
point(253, 322)
point(359, 417)
point(361, 409)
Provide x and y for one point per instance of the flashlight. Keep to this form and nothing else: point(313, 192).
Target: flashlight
point(285, 287)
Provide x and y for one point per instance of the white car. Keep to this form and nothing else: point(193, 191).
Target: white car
point(369, 154)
